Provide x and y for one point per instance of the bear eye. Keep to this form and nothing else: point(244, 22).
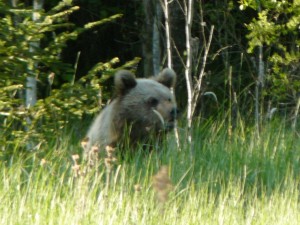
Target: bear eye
point(153, 101)
point(169, 100)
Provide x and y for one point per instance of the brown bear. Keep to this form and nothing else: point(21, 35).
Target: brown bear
point(140, 107)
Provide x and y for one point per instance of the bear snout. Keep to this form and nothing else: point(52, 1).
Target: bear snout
point(172, 117)
point(173, 114)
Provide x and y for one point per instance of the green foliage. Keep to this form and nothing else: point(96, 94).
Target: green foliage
point(33, 48)
point(277, 28)
point(227, 56)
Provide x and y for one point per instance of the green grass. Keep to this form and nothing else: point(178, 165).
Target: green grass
point(236, 179)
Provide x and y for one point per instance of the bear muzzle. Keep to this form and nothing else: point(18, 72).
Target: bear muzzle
point(171, 122)
point(174, 112)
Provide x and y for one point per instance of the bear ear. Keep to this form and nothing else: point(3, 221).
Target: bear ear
point(166, 77)
point(124, 80)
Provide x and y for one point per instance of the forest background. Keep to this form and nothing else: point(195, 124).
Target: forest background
point(236, 159)
point(244, 58)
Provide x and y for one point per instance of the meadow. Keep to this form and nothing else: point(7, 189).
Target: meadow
point(236, 177)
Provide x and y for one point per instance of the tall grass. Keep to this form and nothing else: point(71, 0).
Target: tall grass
point(233, 178)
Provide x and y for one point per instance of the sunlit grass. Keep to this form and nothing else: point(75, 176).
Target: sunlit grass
point(229, 179)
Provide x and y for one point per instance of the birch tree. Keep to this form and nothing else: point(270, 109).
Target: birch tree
point(165, 6)
point(31, 82)
point(259, 83)
point(193, 83)
point(188, 10)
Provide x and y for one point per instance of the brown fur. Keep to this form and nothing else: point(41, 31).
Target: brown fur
point(144, 105)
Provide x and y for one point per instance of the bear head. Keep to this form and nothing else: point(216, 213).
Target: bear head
point(146, 104)
point(140, 107)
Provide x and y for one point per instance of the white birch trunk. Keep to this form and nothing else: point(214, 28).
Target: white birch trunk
point(30, 92)
point(188, 68)
point(31, 83)
point(259, 85)
point(165, 6)
point(14, 3)
point(168, 35)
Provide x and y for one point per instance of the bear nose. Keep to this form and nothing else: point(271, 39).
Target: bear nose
point(174, 113)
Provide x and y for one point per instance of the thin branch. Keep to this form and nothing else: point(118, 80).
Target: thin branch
point(178, 54)
point(165, 7)
point(201, 75)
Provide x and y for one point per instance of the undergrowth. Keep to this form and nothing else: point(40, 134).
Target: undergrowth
point(236, 177)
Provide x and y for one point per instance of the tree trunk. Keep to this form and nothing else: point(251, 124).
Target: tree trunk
point(165, 6)
point(188, 66)
point(156, 38)
point(147, 36)
point(259, 85)
point(31, 82)
point(258, 89)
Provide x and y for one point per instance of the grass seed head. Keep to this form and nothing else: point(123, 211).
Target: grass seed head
point(110, 151)
point(76, 169)
point(110, 160)
point(43, 162)
point(75, 158)
point(108, 163)
point(137, 188)
point(84, 143)
point(95, 149)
